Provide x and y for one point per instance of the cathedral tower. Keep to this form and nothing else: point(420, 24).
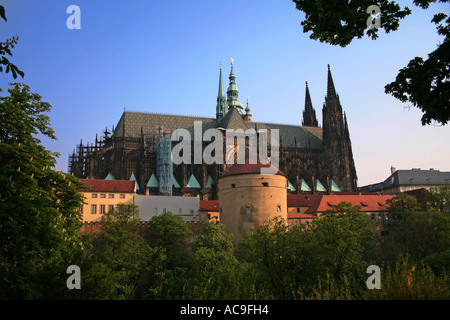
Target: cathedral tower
point(337, 150)
point(309, 114)
point(233, 93)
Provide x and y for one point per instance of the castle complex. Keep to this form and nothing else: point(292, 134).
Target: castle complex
point(314, 159)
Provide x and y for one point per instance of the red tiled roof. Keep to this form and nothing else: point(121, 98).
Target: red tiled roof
point(368, 203)
point(209, 205)
point(123, 186)
point(301, 200)
point(248, 167)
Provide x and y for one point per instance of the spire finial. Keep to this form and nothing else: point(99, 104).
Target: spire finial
point(331, 91)
point(232, 60)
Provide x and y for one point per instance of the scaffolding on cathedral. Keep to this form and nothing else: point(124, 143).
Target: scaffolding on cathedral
point(164, 165)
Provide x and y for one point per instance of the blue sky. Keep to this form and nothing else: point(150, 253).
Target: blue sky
point(164, 56)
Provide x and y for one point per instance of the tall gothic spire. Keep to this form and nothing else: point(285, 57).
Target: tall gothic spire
point(331, 91)
point(221, 106)
point(309, 114)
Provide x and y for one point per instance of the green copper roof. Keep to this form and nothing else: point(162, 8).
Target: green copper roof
point(152, 182)
point(319, 186)
point(209, 182)
point(193, 183)
point(290, 186)
point(233, 94)
point(247, 109)
point(304, 186)
point(334, 186)
point(175, 182)
point(110, 177)
point(133, 178)
point(221, 91)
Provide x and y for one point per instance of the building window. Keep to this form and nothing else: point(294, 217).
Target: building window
point(180, 210)
point(122, 196)
point(164, 210)
point(102, 208)
point(102, 195)
point(278, 208)
point(94, 195)
point(111, 195)
point(233, 185)
point(156, 210)
point(191, 212)
point(298, 210)
point(94, 209)
point(110, 207)
point(265, 184)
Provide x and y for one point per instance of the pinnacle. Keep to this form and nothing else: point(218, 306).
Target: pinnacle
point(331, 91)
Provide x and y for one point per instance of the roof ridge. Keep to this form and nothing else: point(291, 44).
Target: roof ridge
point(169, 114)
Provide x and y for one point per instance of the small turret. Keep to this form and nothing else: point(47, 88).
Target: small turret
point(248, 115)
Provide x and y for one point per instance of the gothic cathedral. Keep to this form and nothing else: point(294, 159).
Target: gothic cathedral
point(315, 159)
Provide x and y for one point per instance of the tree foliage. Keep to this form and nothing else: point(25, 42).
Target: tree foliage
point(5, 50)
point(39, 207)
point(423, 84)
point(416, 231)
point(123, 249)
point(339, 22)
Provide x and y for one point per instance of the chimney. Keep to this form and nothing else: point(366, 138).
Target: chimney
point(393, 169)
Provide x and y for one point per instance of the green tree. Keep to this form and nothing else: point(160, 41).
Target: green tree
point(213, 274)
point(438, 199)
point(133, 263)
point(438, 262)
point(413, 231)
point(281, 257)
point(39, 207)
point(343, 236)
point(291, 261)
point(170, 233)
point(406, 281)
point(422, 83)
point(5, 50)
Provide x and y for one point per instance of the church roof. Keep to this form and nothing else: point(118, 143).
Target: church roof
point(290, 135)
point(150, 122)
point(233, 120)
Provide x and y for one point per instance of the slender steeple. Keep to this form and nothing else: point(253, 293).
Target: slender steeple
point(309, 114)
point(233, 93)
point(221, 106)
point(331, 91)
